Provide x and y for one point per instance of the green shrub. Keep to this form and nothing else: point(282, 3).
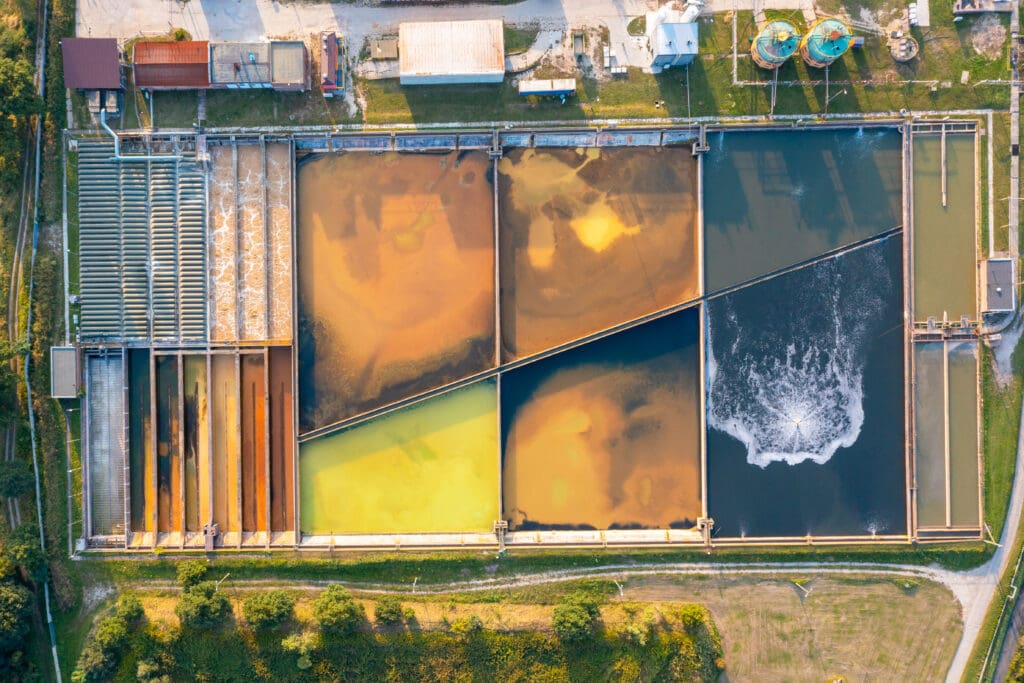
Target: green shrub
point(181, 34)
point(191, 572)
point(94, 664)
point(304, 645)
point(202, 606)
point(23, 549)
point(16, 478)
point(572, 622)
point(337, 612)
point(130, 609)
point(388, 610)
point(268, 610)
point(466, 626)
point(15, 613)
point(112, 634)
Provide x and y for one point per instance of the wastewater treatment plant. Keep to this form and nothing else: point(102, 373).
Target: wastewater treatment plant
point(508, 340)
point(544, 337)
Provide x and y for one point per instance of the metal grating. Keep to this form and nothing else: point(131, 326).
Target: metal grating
point(106, 452)
point(142, 248)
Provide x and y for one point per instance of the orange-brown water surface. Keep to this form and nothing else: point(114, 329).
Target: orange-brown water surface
point(607, 435)
point(396, 277)
point(592, 238)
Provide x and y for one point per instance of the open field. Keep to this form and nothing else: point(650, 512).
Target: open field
point(861, 629)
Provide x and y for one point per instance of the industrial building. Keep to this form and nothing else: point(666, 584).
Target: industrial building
point(198, 65)
point(179, 65)
point(446, 52)
point(673, 36)
point(280, 65)
point(91, 64)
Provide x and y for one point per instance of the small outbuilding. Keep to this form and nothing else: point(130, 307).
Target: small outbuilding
point(178, 65)
point(1000, 285)
point(64, 372)
point(673, 44)
point(556, 87)
point(440, 52)
point(91, 63)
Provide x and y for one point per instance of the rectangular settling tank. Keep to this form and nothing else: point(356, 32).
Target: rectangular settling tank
point(592, 238)
point(226, 442)
point(106, 444)
point(254, 443)
point(428, 468)
point(396, 278)
point(607, 435)
point(140, 441)
point(805, 402)
point(775, 198)
point(946, 434)
point(930, 405)
point(282, 434)
point(197, 443)
point(250, 242)
point(168, 444)
point(945, 242)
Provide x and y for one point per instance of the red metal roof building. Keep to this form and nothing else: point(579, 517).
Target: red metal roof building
point(179, 65)
point(91, 63)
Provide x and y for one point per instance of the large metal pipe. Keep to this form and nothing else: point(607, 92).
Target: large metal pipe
point(117, 146)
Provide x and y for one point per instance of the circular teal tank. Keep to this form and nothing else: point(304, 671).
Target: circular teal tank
point(825, 42)
point(775, 43)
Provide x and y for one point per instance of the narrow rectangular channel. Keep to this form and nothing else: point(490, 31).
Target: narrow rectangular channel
point(282, 474)
point(168, 445)
point(254, 443)
point(225, 442)
point(140, 441)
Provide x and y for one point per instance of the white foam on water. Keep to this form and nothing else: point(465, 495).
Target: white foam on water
point(792, 394)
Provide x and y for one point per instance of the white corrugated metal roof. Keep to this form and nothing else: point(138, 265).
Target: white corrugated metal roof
point(675, 39)
point(451, 48)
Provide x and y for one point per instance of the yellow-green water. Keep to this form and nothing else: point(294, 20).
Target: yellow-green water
point(432, 467)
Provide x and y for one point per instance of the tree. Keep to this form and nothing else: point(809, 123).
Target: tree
point(202, 606)
point(337, 612)
point(265, 611)
point(18, 95)
point(191, 572)
point(573, 618)
point(15, 613)
point(23, 549)
point(130, 609)
point(16, 478)
point(388, 610)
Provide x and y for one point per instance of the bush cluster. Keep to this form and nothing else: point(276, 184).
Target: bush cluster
point(100, 657)
point(337, 611)
point(575, 617)
point(202, 606)
point(269, 610)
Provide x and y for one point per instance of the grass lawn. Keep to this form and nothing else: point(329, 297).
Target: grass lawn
point(520, 38)
point(1000, 420)
point(174, 109)
point(270, 108)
